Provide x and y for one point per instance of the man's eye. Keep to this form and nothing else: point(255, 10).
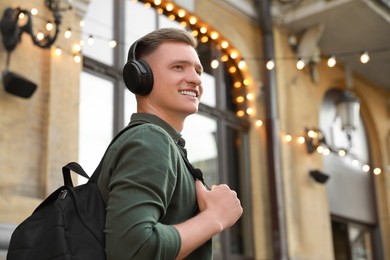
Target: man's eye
point(179, 67)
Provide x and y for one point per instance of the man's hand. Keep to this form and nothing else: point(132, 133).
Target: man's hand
point(221, 204)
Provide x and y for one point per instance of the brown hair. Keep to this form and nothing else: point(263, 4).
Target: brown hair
point(151, 41)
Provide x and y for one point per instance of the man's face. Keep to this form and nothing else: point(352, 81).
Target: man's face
point(177, 85)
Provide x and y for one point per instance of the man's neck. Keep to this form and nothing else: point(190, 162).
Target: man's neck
point(177, 122)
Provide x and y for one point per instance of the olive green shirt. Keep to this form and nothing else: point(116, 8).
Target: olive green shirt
point(147, 189)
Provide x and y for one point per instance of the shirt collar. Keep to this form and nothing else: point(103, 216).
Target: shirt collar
point(153, 119)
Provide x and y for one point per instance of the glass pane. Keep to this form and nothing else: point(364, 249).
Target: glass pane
point(139, 21)
point(101, 31)
point(208, 83)
point(200, 135)
point(96, 119)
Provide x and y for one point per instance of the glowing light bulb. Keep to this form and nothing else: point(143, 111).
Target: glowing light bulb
point(34, 11)
point(203, 30)
point(301, 140)
point(312, 134)
point(77, 58)
point(214, 35)
point(300, 64)
point(250, 96)
point(342, 153)
point(181, 13)
point(364, 58)
point(240, 99)
point(237, 84)
point(240, 113)
point(287, 138)
point(58, 51)
point(40, 36)
point(214, 63)
point(377, 171)
point(233, 55)
point(49, 26)
point(224, 44)
point(270, 64)
point(259, 123)
point(250, 111)
point(169, 7)
point(82, 23)
point(366, 168)
point(332, 61)
point(193, 20)
point(112, 44)
point(68, 33)
point(242, 64)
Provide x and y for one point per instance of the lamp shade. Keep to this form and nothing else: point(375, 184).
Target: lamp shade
point(348, 109)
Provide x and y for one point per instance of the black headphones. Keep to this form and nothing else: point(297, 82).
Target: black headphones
point(137, 74)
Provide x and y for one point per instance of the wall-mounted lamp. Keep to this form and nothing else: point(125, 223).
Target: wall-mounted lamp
point(18, 85)
point(11, 26)
point(348, 107)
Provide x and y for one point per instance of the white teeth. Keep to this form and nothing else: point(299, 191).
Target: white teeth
point(188, 93)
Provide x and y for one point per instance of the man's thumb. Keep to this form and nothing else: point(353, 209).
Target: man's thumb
point(200, 186)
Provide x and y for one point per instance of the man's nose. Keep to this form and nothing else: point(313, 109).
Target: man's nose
point(195, 78)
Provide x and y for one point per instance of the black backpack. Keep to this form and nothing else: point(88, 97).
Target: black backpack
point(67, 225)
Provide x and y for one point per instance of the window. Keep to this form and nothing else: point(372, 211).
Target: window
point(216, 139)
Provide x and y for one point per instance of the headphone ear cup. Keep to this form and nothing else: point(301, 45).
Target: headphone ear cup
point(138, 77)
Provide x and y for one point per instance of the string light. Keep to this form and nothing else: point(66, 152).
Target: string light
point(259, 123)
point(366, 168)
point(364, 58)
point(214, 63)
point(68, 33)
point(233, 55)
point(332, 61)
point(181, 13)
point(214, 35)
point(34, 11)
point(77, 58)
point(300, 64)
point(112, 44)
point(49, 26)
point(193, 20)
point(224, 44)
point(169, 7)
point(377, 171)
point(58, 51)
point(40, 36)
point(270, 64)
point(242, 64)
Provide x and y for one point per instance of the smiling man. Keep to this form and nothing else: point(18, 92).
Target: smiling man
point(155, 207)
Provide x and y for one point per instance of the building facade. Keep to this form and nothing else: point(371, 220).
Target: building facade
point(81, 102)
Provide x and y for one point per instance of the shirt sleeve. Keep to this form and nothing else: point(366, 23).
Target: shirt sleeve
point(141, 185)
